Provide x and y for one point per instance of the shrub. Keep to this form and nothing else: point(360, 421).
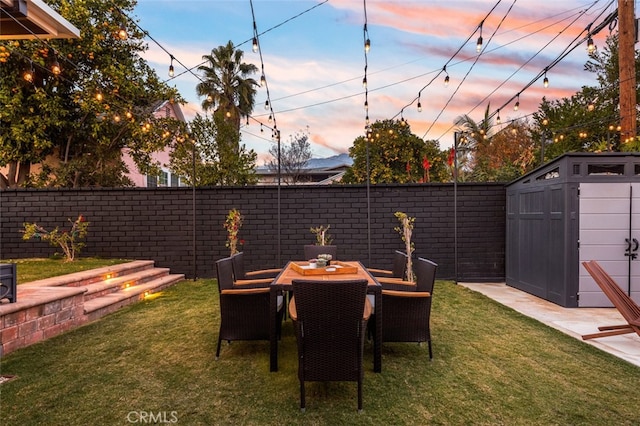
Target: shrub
point(69, 241)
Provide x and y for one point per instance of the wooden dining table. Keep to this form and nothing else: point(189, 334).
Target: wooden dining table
point(344, 270)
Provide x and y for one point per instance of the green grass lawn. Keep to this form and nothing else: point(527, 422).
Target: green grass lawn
point(491, 366)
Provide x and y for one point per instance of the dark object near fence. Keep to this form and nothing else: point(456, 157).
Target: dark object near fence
point(8, 282)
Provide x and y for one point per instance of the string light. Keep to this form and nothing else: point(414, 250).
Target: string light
point(263, 80)
point(446, 78)
point(419, 105)
point(122, 33)
point(590, 46)
point(517, 104)
point(28, 74)
point(498, 118)
point(254, 45)
point(545, 81)
point(171, 70)
point(55, 65)
point(479, 43)
point(364, 80)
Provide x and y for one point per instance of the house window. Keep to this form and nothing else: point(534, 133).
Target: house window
point(175, 180)
point(163, 178)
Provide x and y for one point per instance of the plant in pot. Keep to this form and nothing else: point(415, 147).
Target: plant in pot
point(323, 244)
point(405, 230)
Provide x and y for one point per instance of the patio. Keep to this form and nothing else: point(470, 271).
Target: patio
point(572, 321)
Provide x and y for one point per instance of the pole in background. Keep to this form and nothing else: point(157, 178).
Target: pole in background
point(456, 136)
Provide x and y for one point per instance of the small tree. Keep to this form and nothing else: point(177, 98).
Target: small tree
point(293, 157)
point(405, 231)
point(232, 224)
point(67, 240)
point(322, 236)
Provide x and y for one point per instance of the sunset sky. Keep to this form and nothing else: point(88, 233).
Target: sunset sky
point(314, 60)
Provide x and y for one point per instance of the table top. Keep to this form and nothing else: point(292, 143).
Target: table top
point(289, 274)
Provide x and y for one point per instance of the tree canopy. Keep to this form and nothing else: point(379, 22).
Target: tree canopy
point(99, 100)
point(294, 156)
point(394, 155)
point(213, 149)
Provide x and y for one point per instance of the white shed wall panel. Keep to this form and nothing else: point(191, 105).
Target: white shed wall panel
point(609, 216)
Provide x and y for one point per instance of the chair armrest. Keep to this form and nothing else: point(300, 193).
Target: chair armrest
point(262, 272)
point(250, 282)
point(398, 293)
point(293, 313)
point(245, 291)
point(399, 281)
point(385, 272)
point(367, 309)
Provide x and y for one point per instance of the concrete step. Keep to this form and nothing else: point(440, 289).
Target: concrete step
point(91, 276)
point(122, 282)
point(100, 306)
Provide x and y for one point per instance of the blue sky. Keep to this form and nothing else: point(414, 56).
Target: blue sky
point(314, 59)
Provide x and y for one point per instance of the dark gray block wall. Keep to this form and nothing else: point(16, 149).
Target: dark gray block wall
point(158, 224)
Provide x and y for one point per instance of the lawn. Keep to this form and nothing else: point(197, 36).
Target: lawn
point(156, 358)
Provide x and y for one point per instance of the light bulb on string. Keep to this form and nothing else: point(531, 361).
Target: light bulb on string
point(28, 74)
point(498, 118)
point(591, 47)
point(366, 105)
point(517, 104)
point(171, 70)
point(367, 46)
point(55, 66)
point(364, 82)
point(254, 46)
point(263, 80)
point(479, 42)
point(122, 32)
point(266, 104)
point(419, 106)
point(545, 81)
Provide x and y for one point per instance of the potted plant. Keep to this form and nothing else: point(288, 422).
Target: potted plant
point(405, 231)
point(323, 244)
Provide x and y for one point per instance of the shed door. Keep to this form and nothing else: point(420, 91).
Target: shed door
point(609, 233)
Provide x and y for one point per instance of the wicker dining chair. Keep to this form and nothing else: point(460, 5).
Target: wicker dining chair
point(330, 319)
point(244, 312)
point(399, 267)
point(407, 312)
point(312, 251)
point(241, 274)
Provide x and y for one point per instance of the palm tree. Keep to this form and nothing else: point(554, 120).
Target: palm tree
point(226, 85)
point(475, 138)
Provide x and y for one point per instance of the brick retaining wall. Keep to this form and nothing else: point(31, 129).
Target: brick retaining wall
point(157, 224)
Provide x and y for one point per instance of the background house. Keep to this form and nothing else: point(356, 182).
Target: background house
point(165, 109)
point(317, 171)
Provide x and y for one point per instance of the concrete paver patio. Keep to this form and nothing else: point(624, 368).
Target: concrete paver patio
point(573, 321)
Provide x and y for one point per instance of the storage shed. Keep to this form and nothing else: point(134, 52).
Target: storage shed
point(580, 206)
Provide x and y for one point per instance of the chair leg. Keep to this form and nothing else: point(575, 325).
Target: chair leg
point(430, 351)
point(218, 349)
point(302, 396)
